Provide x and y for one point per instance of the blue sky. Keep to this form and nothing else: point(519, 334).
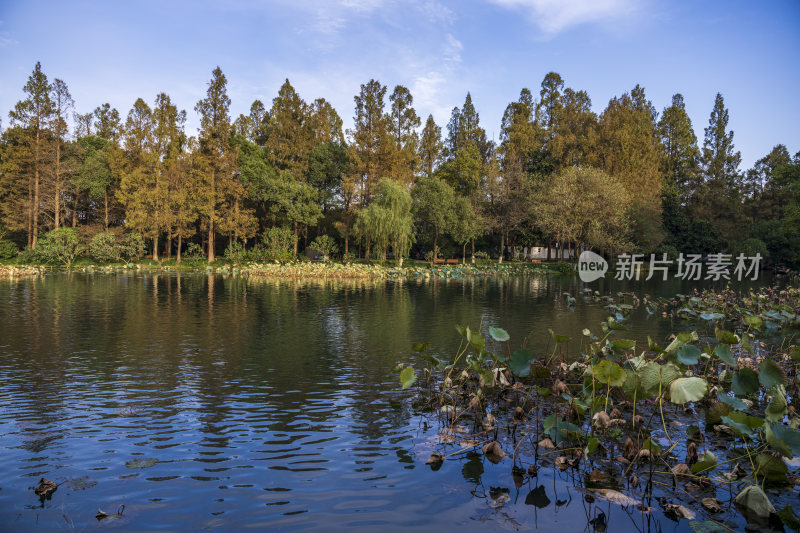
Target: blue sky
point(110, 51)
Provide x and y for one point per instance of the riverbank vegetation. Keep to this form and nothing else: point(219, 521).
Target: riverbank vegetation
point(286, 177)
point(703, 429)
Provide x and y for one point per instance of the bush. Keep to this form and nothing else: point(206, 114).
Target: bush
point(750, 247)
point(104, 248)
point(278, 242)
point(236, 253)
point(480, 254)
point(564, 268)
point(59, 246)
point(132, 246)
point(325, 246)
point(8, 250)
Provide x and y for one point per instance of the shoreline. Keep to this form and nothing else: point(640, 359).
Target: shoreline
point(302, 270)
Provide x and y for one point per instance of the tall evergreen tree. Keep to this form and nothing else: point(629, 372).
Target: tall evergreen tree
point(679, 152)
point(403, 122)
point(370, 138)
point(719, 198)
point(431, 147)
point(34, 115)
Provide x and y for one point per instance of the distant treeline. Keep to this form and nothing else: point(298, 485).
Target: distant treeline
point(628, 179)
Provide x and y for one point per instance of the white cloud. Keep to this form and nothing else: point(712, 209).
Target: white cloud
point(554, 16)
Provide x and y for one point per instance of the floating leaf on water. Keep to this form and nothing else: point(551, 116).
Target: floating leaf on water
point(770, 374)
point(723, 351)
point(408, 377)
point(141, 463)
point(676, 512)
point(499, 334)
point(789, 518)
point(753, 501)
point(81, 483)
point(689, 354)
point(538, 498)
point(615, 496)
point(744, 382)
point(684, 390)
point(421, 346)
point(709, 526)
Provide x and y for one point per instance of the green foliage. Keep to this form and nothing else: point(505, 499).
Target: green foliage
point(132, 246)
point(104, 248)
point(8, 249)
point(277, 243)
point(325, 245)
point(59, 246)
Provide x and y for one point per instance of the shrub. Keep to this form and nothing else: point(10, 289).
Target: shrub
point(325, 246)
point(750, 247)
point(277, 243)
point(8, 250)
point(564, 267)
point(59, 246)
point(480, 254)
point(104, 248)
point(132, 246)
point(236, 253)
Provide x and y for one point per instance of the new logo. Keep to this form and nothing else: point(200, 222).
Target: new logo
point(591, 266)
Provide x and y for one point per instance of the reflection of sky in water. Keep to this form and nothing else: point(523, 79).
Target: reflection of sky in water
point(266, 404)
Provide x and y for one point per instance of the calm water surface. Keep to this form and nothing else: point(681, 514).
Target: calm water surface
point(202, 402)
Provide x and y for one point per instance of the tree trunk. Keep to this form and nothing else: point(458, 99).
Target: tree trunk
point(155, 247)
point(168, 244)
point(35, 207)
point(211, 240)
point(296, 237)
point(464, 253)
point(473, 251)
point(178, 261)
point(57, 199)
point(435, 247)
point(105, 207)
point(502, 247)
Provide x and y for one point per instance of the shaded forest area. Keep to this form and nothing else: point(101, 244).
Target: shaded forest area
point(283, 178)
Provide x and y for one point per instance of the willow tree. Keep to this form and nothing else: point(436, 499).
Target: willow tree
point(387, 221)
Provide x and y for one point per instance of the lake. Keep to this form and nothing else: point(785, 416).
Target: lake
point(209, 402)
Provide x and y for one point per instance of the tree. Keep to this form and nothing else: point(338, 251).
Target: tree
point(627, 150)
point(431, 147)
point(387, 221)
point(719, 199)
point(34, 115)
point(766, 196)
point(435, 206)
point(289, 138)
point(403, 121)
point(585, 206)
point(464, 130)
point(370, 139)
point(219, 191)
point(469, 225)
point(679, 152)
point(62, 104)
